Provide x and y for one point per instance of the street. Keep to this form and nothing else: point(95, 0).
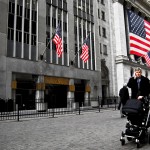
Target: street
point(88, 131)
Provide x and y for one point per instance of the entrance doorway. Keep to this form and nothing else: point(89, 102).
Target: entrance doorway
point(79, 92)
point(105, 82)
point(25, 94)
point(104, 94)
point(56, 96)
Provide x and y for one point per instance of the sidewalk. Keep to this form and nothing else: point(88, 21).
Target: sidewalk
point(88, 131)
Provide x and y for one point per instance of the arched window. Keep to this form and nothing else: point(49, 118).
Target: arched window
point(146, 73)
point(131, 71)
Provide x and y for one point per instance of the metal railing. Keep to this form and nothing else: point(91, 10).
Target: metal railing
point(9, 111)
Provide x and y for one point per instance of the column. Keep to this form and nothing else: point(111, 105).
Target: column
point(119, 25)
point(70, 94)
point(14, 86)
point(3, 49)
point(87, 94)
point(39, 95)
point(120, 41)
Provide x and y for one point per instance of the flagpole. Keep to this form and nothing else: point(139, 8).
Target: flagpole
point(76, 55)
point(78, 51)
point(141, 57)
point(41, 56)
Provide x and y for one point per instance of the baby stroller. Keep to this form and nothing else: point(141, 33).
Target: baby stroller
point(138, 121)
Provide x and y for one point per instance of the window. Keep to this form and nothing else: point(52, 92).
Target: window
point(33, 27)
point(103, 15)
point(65, 44)
point(131, 72)
point(102, 2)
point(99, 30)
point(104, 32)
point(19, 23)
point(33, 15)
point(65, 21)
point(15, 18)
point(19, 10)
point(59, 14)
point(146, 73)
point(26, 25)
point(11, 21)
point(98, 14)
point(26, 38)
point(100, 48)
point(11, 7)
point(10, 34)
point(33, 40)
point(27, 13)
point(105, 49)
point(18, 36)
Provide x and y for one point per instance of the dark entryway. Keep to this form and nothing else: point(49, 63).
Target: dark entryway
point(104, 93)
point(56, 96)
point(79, 92)
point(25, 94)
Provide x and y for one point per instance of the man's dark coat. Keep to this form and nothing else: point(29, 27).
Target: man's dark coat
point(144, 89)
point(124, 95)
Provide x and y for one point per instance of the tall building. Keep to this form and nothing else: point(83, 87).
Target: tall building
point(32, 73)
point(130, 41)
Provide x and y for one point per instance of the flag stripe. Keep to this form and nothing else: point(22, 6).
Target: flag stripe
point(139, 34)
point(135, 38)
point(85, 51)
point(137, 52)
point(147, 58)
point(58, 42)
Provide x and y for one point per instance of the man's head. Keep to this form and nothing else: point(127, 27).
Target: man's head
point(125, 84)
point(138, 72)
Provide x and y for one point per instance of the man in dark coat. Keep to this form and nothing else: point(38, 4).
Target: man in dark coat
point(140, 86)
point(124, 96)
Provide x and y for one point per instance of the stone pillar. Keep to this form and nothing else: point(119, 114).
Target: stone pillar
point(3, 49)
point(87, 94)
point(120, 41)
point(86, 99)
point(119, 25)
point(70, 94)
point(39, 95)
point(14, 86)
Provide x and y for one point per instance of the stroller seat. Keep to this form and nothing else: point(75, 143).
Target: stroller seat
point(137, 112)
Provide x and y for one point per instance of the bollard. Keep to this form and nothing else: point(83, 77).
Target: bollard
point(17, 107)
point(79, 108)
point(115, 104)
point(53, 112)
point(98, 104)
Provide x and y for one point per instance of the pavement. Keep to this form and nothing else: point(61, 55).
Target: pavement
point(87, 131)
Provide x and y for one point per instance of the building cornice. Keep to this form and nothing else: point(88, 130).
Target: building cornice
point(142, 6)
point(128, 62)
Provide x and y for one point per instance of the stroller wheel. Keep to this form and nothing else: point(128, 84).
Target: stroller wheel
point(149, 138)
point(122, 142)
point(138, 145)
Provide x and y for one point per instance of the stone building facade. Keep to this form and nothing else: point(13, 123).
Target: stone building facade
point(32, 73)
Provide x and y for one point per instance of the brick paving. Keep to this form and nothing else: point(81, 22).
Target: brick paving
point(88, 131)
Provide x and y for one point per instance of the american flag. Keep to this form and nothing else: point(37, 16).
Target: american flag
point(139, 34)
point(58, 41)
point(147, 58)
point(85, 50)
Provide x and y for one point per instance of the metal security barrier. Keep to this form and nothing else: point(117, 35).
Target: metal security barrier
point(112, 101)
point(11, 111)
